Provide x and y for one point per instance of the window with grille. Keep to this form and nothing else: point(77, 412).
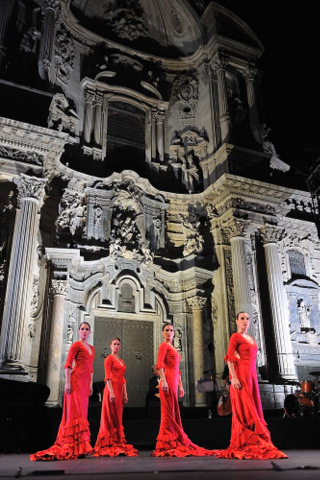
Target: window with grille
point(125, 136)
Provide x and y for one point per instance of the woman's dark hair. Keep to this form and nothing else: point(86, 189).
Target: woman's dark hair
point(115, 338)
point(239, 313)
point(167, 324)
point(85, 323)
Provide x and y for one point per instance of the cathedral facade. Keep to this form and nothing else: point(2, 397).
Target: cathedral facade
point(139, 186)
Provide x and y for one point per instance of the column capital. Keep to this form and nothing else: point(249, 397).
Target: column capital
point(271, 234)
point(236, 227)
point(219, 62)
point(89, 95)
point(31, 187)
point(196, 303)
point(59, 287)
point(250, 73)
point(98, 98)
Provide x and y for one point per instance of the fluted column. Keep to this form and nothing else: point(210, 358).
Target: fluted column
point(98, 117)
point(219, 67)
point(250, 76)
point(160, 135)
point(20, 276)
point(196, 304)
point(270, 235)
point(242, 297)
point(47, 37)
point(56, 344)
point(89, 96)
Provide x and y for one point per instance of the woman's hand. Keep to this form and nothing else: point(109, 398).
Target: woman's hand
point(181, 391)
point(235, 383)
point(125, 398)
point(90, 391)
point(164, 386)
point(67, 388)
point(112, 397)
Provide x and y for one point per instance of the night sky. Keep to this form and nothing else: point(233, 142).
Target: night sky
point(290, 85)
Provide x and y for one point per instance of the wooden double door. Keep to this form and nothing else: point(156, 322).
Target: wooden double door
point(137, 349)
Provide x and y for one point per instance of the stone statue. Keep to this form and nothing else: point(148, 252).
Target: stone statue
point(268, 147)
point(190, 175)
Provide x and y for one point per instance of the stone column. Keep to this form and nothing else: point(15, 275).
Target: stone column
point(249, 76)
point(219, 67)
point(56, 344)
point(196, 304)
point(240, 273)
point(89, 96)
point(160, 135)
point(270, 235)
point(98, 117)
point(20, 276)
point(47, 37)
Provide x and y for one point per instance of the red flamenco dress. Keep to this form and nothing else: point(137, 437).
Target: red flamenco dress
point(73, 439)
point(250, 437)
point(111, 440)
point(172, 440)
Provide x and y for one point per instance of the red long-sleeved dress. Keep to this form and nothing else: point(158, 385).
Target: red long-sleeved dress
point(111, 439)
point(250, 437)
point(172, 440)
point(73, 437)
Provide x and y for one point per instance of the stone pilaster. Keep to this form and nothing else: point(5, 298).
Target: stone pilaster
point(270, 235)
point(56, 344)
point(153, 134)
point(160, 135)
point(5, 11)
point(236, 228)
point(89, 96)
point(250, 76)
point(219, 67)
point(20, 276)
point(196, 304)
point(47, 37)
point(98, 117)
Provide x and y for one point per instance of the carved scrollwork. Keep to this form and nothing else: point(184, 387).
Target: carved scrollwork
point(61, 116)
point(64, 55)
point(186, 92)
point(196, 303)
point(59, 287)
point(271, 234)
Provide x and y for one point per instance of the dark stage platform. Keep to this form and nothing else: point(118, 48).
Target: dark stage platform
point(301, 465)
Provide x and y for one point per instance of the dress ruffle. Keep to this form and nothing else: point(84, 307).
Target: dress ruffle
point(178, 445)
point(73, 440)
point(256, 452)
point(103, 448)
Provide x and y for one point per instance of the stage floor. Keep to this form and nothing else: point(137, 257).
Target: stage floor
point(301, 464)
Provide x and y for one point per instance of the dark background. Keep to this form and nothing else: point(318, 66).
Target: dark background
point(290, 67)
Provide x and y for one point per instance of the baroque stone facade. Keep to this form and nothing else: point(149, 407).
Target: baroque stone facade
point(138, 186)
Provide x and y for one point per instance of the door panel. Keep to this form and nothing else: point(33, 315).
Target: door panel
point(136, 350)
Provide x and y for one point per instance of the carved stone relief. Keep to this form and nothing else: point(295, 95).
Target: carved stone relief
point(188, 148)
point(61, 116)
point(64, 55)
point(186, 95)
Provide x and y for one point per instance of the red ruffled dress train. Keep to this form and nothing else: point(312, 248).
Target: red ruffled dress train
point(172, 440)
point(111, 439)
point(73, 439)
point(250, 437)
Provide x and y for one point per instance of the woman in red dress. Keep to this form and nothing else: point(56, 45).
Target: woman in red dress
point(250, 437)
point(73, 439)
point(111, 440)
point(172, 440)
